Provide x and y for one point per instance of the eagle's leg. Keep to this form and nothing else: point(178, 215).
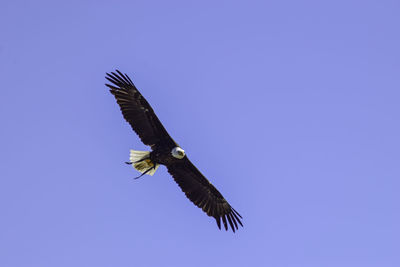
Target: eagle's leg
point(145, 172)
point(133, 162)
point(140, 160)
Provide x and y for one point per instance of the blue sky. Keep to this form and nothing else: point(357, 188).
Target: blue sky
point(290, 108)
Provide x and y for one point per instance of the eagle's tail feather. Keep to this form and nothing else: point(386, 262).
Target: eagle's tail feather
point(141, 161)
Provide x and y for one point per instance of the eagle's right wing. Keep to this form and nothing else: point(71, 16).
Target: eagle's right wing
point(203, 194)
point(137, 111)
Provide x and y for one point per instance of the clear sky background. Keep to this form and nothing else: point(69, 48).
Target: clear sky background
point(290, 108)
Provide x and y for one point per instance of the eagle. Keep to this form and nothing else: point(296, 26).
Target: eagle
point(165, 151)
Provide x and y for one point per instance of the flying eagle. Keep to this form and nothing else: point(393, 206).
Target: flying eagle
point(139, 114)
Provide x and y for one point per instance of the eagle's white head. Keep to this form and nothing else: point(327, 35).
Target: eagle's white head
point(178, 152)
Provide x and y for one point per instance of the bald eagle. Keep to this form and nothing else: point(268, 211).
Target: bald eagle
point(165, 151)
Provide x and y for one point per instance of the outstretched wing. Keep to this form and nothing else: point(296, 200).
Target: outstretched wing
point(137, 111)
point(203, 194)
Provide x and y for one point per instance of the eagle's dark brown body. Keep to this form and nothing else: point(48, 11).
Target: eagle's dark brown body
point(163, 156)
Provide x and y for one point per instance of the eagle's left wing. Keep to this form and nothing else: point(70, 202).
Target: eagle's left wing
point(203, 194)
point(137, 111)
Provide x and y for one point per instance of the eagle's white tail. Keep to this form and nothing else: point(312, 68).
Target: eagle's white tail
point(141, 161)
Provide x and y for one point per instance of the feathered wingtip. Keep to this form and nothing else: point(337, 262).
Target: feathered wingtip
point(233, 218)
point(118, 79)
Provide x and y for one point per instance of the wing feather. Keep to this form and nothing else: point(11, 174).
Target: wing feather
point(203, 194)
point(137, 111)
